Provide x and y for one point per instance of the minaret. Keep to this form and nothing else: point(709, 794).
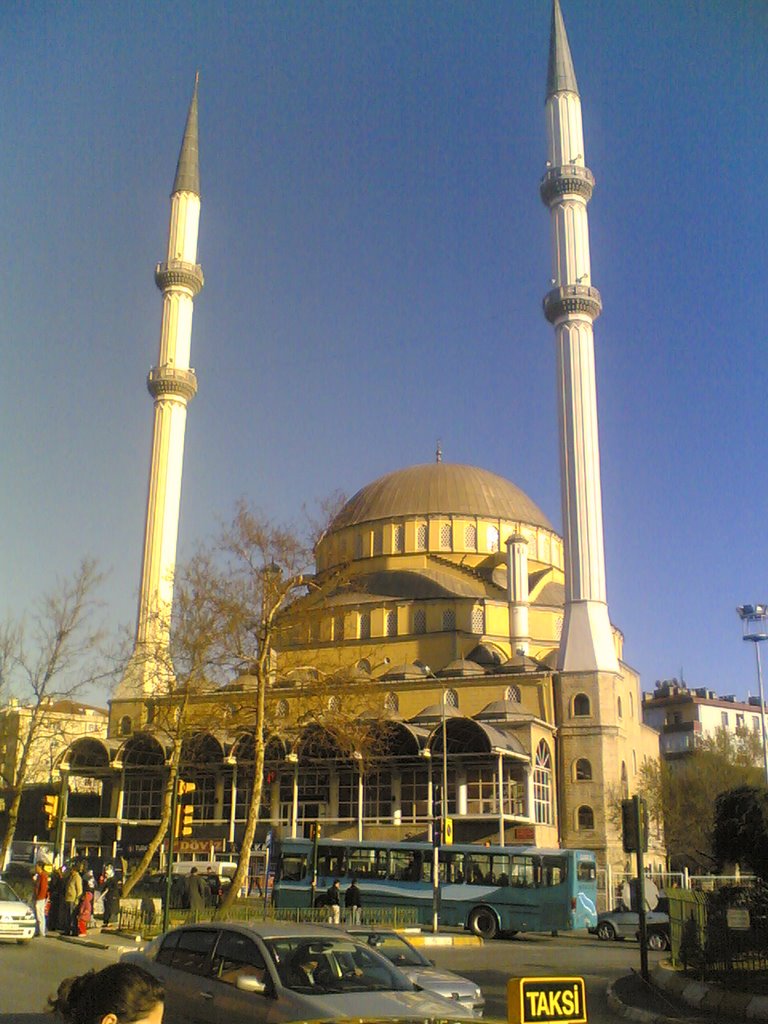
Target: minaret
point(572, 306)
point(172, 383)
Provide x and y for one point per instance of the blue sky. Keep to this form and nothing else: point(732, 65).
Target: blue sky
point(375, 254)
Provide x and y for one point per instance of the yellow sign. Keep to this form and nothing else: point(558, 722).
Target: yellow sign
point(448, 837)
point(546, 1001)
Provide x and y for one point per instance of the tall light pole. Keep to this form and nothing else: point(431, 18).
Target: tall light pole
point(754, 621)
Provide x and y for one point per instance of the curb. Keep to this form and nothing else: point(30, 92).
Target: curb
point(95, 943)
point(643, 1016)
point(700, 996)
point(419, 938)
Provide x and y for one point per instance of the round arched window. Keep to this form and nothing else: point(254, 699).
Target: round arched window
point(281, 708)
point(581, 706)
point(334, 703)
point(512, 693)
point(583, 770)
point(392, 703)
point(451, 699)
point(542, 785)
point(586, 818)
point(126, 725)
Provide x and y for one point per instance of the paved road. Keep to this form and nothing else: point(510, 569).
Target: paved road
point(28, 974)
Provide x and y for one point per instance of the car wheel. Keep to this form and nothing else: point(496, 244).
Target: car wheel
point(606, 931)
point(657, 941)
point(22, 942)
point(482, 922)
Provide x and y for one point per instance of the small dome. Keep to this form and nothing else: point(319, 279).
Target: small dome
point(440, 488)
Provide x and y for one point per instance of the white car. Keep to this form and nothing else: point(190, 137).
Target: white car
point(16, 918)
point(274, 972)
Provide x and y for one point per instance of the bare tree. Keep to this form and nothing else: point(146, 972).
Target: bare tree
point(48, 658)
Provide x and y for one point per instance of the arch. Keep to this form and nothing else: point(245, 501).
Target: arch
point(86, 752)
point(317, 742)
point(585, 818)
point(201, 750)
point(542, 784)
point(126, 725)
point(142, 750)
point(582, 770)
point(469, 736)
point(582, 706)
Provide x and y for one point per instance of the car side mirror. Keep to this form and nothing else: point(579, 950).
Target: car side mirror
point(432, 962)
point(250, 983)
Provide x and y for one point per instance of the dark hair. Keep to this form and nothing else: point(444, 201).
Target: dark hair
point(124, 989)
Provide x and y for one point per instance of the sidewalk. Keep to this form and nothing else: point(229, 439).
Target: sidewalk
point(120, 942)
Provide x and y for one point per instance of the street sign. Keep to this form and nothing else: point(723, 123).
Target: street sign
point(546, 1001)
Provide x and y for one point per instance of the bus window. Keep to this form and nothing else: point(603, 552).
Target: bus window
point(292, 867)
point(406, 866)
point(554, 870)
point(330, 862)
point(451, 867)
point(521, 871)
point(586, 871)
point(500, 868)
point(479, 869)
point(367, 863)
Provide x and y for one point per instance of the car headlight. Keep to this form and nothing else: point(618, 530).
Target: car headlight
point(478, 993)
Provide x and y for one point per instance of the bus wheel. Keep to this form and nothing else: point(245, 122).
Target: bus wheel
point(483, 923)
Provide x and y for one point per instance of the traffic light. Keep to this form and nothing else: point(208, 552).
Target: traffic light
point(185, 788)
point(634, 825)
point(185, 810)
point(50, 810)
point(315, 830)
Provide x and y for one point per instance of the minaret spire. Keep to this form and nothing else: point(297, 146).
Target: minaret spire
point(172, 384)
point(586, 643)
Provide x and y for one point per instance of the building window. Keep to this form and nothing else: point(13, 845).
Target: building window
point(756, 723)
point(358, 545)
point(634, 762)
point(414, 795)
point(451, 699)
point(449, 619)
point(420, 621)
point(334, 703)
point(470, 537)
point(348, 794)
point(391, 623)
point(739, 721)
point(204, 798)
point(482, 793)
point(378, 541)
point(512, 693)
point(583, 770)
point(542, 785)
point(724, 719)
point(581, 708)
point(365, 626)
point(392, 703)
point(478, 619)
point(586, 818)
point(624, 782)
point(143, 796)
point(492, 538)
point(126, 725)
point(618, 707)
point(338, 627)
point(281, 708)
point(377, 796)
point(631, 705)
point(421, 537)
point(398, 539)
point(446, 536)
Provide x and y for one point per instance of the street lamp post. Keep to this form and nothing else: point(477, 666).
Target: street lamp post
point(754, 620)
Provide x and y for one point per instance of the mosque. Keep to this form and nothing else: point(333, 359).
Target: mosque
point(479, 636)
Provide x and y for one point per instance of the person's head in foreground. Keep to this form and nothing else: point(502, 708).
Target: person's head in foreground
point(119, 994)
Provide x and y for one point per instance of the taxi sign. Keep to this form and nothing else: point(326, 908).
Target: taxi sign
point(546, 1001)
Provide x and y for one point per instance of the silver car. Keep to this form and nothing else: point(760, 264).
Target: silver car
point(274, 972)
point(16, 918)
point(421, 971)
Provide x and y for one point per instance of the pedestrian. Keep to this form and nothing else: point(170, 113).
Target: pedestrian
point(40, 887)
point(85, 911)
point(196, 892)
point(353, 902)
point(333, 902)
point(73, 891)
point(122, 993)
point(110, 895)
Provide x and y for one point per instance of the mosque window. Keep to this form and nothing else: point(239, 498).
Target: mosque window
point(492, 538)
point(378, 541)
point(512, 693)
point(478, 619)
point(581, 707)
point(583, 771)
point(281, 708)
point(446, 536)
point(365, 626)
point(391, 623)
point(126, 725)
point(634, 762)
point(631, 705)
point(358, 545)
point(398, 539)
point(449, 619)
point(392, 703)
point(559, 627)
point(334, 703)
point(619, 709)
point(624, 782)
point(542, 785)
point(451, 699)
point(470, 537)
point(142, 796)
point(422, 534)
point(586, 818)
point(377, 796)
point(420, 621)
point(338, 627)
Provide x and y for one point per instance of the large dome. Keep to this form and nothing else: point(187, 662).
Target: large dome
point(440, 488)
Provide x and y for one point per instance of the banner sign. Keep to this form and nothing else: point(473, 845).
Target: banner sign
point(546, 1001)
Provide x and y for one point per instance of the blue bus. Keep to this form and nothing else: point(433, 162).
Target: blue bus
point(486, 889)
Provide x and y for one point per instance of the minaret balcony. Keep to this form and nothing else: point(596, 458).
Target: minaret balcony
point(569, 179)
point(178, 274)
point(572, 298)
point(172, 381)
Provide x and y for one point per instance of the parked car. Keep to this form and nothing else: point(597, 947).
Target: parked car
point(18, 873)
point(154, 886)
point(16, 918)
point(277, 972)
point(421, 971)
point(622, 923)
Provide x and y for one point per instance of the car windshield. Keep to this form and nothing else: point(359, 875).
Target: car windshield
point(326, 964)
point(7, 893)
point(395, 949)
